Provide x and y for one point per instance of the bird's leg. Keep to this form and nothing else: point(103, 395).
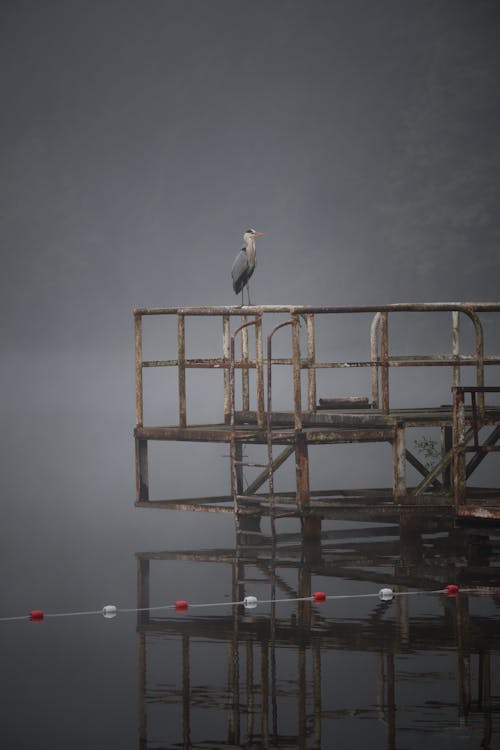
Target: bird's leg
point(248, 294)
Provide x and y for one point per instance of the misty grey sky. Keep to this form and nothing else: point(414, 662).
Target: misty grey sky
point(139, 140)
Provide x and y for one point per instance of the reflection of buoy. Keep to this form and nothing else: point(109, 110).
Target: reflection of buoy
point(181, 605)
point(250, 602)
point(109, 611)
point(386, 595)
point(451, 589)
point(319, 597)
point(36, 615)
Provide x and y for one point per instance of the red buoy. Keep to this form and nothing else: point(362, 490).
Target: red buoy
point(319, 596)
point(181, 605)
point(452, 589)
point(36, 615)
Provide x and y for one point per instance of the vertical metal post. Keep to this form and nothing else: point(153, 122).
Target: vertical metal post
point(181, 366)
point(384, 360)
point(455, 319)
point(311, 358)
point(143, 711)
point(459, 469)
point(301, 708)
point(250, 690)
point(186, 694)
point(478, 329)
point(391, 703)
point(374, 356)
point(245, 374)
point(226, 353)
point(446, 445)
point(139, 404)
point(296, 372)
point(141, 471)
point(238, 467)
point(302, 470)
point(316, 666)
point(264, 680)
point(143, 588)
point(399, 462)
point(259, 371)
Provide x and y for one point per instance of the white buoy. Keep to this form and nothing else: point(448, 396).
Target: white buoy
point(109, 611)
point(386, 595)
point(250, 602)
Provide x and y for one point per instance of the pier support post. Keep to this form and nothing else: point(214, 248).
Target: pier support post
point(141, 471)
point(459, 444)
point(399, 463)
point(302, 470)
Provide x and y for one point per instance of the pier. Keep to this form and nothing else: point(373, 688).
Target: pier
point(294, 356)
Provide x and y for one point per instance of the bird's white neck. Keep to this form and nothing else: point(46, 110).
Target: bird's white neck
point(251, 249)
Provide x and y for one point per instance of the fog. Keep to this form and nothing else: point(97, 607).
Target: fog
point(138, 141)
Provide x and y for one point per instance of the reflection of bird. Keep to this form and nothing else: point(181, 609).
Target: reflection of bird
point(244, 264)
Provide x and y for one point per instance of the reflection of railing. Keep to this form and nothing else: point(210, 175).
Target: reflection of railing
point(277, 678)
point(380, 362)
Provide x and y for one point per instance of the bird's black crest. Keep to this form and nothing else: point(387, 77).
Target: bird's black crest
point(248, 230)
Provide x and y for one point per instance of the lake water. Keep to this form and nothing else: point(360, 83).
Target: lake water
point(352, 672)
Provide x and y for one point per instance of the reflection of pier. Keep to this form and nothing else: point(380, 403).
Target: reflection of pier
point(296, 676)
point(468, 423)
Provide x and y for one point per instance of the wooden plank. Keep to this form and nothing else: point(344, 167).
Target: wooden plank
point(349, 402)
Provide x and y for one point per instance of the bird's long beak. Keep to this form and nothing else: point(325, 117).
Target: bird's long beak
point(258, 234)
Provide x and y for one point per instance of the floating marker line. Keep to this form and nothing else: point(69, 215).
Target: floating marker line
point(110, 611)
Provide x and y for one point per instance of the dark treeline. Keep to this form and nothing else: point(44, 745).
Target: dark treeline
point(442, 203)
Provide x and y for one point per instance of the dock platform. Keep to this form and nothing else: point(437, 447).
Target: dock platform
point(468, 425)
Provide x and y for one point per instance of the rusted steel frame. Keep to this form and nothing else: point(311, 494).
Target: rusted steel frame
point(482, 448)
point(302, 470)
point(181, 505)
point(237, 330)
point(259, 374)
point(374, 355)
point(235, 454)
point(478, 329)
point(141, 470)
point(384, 355)
point(455, 338)
point(139, 392)
point(459, 443)
point(296, 373)
point(226, 353)
point(446, 444)
point(399, 462)
point(311, 360)
point(474, 420)
point(269, 424)
point(306, 309)
point(264, 476)
point(245, 380)
point(477, 420)
point(418, 465)
point(445, 460)
point(181, 373)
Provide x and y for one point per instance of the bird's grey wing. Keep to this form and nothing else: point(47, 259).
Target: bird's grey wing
point(239, 271)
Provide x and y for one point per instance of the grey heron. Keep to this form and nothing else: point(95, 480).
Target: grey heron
point(244, 264)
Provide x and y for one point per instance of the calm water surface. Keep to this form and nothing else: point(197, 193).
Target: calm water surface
point(351, 673)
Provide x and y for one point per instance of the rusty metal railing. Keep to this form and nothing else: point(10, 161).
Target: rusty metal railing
point(381, 358)
point(466, 427)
